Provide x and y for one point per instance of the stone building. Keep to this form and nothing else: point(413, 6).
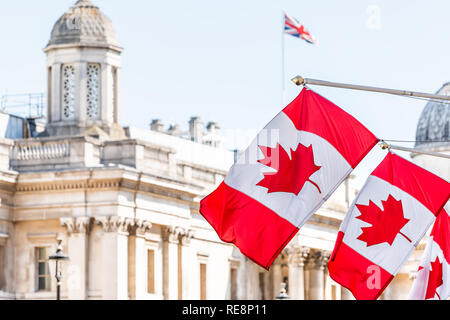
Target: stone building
point(125, 201)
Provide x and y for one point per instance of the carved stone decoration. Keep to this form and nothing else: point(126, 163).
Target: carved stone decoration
point(298, 255)
point(93, 94)
point(325, 258)
point(141, 227)
point(186, 237)
point(292, 254)
point(320, 259)
point(79, 225)
point(68, 92)
point(304, 255)
point(115, 224)
point(172, 234)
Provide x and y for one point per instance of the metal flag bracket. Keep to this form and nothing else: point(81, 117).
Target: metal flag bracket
point(390, 147)
point(300, 81)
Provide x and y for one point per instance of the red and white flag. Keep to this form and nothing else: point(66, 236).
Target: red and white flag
point(391, 214)
point(433, 277)
point(287, 173)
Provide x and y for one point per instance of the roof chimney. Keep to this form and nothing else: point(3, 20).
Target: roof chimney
point(157, 125)
point(212, 137)
point(196, 129)
point(175, 130)
point(213, 127)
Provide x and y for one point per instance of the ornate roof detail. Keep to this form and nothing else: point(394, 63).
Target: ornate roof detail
point(84, 25)
point(434, 123)
point(84, 3)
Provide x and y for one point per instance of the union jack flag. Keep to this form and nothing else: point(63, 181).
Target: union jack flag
point(294, 28)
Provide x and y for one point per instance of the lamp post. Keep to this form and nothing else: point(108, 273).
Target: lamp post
point(58, 256)
point(283, 295)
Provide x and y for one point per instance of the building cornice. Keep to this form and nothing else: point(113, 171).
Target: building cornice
point(105, 178)
point(83, 45)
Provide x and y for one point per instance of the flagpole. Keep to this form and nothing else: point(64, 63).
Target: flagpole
point(385, 146)
point(283, 63)
point(303, 81)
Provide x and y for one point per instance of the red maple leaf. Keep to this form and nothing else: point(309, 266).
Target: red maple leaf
point(386, 224)
point(434, 279)
point(291, 173)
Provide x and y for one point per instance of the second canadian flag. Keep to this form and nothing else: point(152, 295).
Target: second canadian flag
point(389, 217)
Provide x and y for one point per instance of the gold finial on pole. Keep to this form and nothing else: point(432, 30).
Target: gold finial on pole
point(298, 80)
point(384, 145)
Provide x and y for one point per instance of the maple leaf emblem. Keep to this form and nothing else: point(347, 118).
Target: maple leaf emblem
point(386, 224)
point(291, 172)
point(434, 279)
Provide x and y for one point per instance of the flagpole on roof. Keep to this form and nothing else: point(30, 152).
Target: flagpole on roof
point(304, 81)
point(283, 61)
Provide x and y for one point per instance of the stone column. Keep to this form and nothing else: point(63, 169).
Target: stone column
point(81, 91)
point(55, 111)
point(114, 257)
point(329, 288)
point(116, 92)
point(137, 259)
point(186, 263)
point(77, 246)
point(105, 92)
point(277, 276)
point(170, 236)
point(296, 260)
point(317, 275)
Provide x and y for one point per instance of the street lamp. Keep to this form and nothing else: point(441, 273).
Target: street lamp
point(283, 295)
point(58, 256)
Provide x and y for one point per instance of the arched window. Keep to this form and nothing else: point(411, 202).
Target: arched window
point(68, 111)
point(93, 88)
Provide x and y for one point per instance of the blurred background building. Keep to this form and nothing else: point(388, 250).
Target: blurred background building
point(125, 201)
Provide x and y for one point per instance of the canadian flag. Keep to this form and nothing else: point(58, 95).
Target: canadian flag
point(433, 277)
point(390, 215)
point(295, 163)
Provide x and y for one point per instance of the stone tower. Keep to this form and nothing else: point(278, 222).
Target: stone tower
point(83, 65)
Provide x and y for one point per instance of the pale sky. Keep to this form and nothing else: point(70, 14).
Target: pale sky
point(221, 60)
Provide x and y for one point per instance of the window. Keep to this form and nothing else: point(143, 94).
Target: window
point(151, 271)
point(93, 87)
point(202, 281)
point(2, 268)
point(262, 286)
point(333, 292)
point(233, 284)
point(68, 92)
point(43, 270)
